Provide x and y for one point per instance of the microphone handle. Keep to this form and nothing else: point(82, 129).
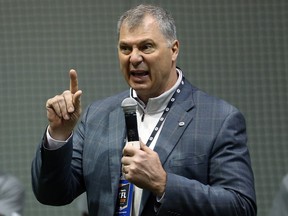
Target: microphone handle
point(132, 129)
point(136, 144)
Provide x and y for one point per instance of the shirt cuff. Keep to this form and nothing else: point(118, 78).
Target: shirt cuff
point(53, 144)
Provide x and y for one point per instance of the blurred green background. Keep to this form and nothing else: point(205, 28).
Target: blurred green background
point(236, 50)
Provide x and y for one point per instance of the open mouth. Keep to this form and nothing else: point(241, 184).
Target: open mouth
point(139, 73)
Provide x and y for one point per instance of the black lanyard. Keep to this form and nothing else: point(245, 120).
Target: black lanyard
point(165, 112)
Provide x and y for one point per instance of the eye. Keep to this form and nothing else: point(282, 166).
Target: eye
point(125, 49)
point(147, 48)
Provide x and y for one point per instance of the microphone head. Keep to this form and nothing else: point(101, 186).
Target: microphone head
point(129, 105)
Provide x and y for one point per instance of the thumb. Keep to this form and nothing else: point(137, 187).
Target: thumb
point(144, 147)
point(77, 99)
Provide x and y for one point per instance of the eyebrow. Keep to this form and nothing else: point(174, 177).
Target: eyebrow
point(138, 43)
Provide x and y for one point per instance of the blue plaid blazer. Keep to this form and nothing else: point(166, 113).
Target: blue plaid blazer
point(202, 147)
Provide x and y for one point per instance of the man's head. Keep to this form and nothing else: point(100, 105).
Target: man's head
point(134, 17)
point(148, 49)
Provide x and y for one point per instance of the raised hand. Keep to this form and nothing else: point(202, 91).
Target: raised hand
point(63, 111)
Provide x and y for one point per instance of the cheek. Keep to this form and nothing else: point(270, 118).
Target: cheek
point(123, 64)
point(124, 60)
point(160, 62)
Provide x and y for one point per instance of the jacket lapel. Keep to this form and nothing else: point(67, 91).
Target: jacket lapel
point(116, 143)
point(175, 124)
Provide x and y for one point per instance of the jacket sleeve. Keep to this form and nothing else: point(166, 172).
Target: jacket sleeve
point(54, 180)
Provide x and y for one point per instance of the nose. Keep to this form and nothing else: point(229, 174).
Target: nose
point(135, 57)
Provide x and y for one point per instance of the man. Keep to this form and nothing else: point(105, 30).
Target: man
point(193, 158)
point(12, 194)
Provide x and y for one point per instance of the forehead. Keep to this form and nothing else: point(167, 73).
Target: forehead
point(148, 28)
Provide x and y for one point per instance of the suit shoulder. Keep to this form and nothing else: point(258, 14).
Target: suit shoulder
point(206, 101)
point(108, 104)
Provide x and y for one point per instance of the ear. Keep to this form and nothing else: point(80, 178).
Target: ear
point(175, 50)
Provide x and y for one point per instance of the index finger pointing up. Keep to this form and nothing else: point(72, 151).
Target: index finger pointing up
point(73, 81)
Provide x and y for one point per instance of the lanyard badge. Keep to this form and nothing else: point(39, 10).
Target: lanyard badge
point(125, 197)
point(125, 192)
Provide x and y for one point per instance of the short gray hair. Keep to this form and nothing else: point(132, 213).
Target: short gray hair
point(134, 17)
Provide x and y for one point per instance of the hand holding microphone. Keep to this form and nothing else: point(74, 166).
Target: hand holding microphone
point(141, 165)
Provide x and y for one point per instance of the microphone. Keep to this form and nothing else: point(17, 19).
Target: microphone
point(125, 191)
point(129, 108)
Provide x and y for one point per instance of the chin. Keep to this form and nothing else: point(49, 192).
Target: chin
point(139, 87)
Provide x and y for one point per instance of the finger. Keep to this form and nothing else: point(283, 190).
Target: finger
point(144, 147)
point(68, 102)
point(76, 99)
point(53, 105)
point(73, 81)
point(63, 109)
point(128, 150)
point(124, 169)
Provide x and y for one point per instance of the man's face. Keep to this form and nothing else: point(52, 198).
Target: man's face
point(147, 61)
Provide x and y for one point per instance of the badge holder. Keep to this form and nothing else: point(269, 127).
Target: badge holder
point(125, 192)
point(125, 197)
